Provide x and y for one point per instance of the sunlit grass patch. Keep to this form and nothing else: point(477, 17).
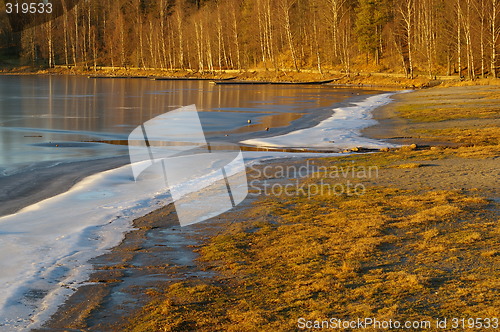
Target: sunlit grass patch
point(381, 254)
point(438, 213)
point(469, 119)
point(430, 113)
point(409, 165)
point(476, 136)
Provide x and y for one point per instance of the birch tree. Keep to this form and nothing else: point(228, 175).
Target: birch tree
point(495, 34)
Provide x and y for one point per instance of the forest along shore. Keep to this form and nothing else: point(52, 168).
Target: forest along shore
point(412, 38)
point(427, 220)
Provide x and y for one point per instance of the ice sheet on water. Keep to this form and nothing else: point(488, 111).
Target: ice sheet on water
point(341, 131)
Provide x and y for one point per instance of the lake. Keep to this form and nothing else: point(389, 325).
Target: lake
point(38, 112)
point(67, 190)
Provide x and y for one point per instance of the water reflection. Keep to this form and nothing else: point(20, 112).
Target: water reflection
point(41, 109)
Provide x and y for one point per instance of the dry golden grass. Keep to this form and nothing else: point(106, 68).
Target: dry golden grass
point(486, 81)
point(469, 119)
point(390, 253)
point(409, 165)
point(430, 113)
point(486, 136)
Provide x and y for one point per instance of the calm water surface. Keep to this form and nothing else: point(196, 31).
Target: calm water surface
point(53, 118)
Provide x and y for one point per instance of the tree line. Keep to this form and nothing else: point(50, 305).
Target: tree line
point(414, 37)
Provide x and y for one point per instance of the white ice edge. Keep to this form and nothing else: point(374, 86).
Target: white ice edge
point(46, 246)
point(340, 131)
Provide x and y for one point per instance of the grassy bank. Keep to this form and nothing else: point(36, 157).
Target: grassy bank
point(465, 116)
point(421, 243)
point(390, 254)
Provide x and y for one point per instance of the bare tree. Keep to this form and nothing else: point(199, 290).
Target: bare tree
point(407, 10)
point(459, 38)
point(495, 34)
point(285, 6)
point(236, 34)
point(179, 17)
point(50, 43)
point(467, 22)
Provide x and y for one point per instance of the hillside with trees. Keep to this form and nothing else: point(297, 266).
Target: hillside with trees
point(414, 37)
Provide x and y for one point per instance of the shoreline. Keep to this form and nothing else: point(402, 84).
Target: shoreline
point(110, 275)
point(117, 270)
point(121, 271)
point(355, 80)
point(157, 251)
point(27, 187)
point(57, 179)
point(422, 244)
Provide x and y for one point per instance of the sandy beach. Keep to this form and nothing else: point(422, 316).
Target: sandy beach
point(431, 225)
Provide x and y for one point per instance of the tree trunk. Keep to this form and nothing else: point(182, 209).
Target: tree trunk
point(236, 37)
point(495, 32)
point(459, 38)
point(199, 45)
point(316, 41)
point(286, 6)
point(122, 40)
point(163, 55)
point(140, 63)
point(407, 12)
point(481, 37)
point(468, 42)
point(75, 42)
point(181, 37)
point(65, 36)
point(50, 45)
point(219, 36)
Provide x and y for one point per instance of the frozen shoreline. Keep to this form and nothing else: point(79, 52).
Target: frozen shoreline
point(104, 207)
point(340, 131)
point(47, 245)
